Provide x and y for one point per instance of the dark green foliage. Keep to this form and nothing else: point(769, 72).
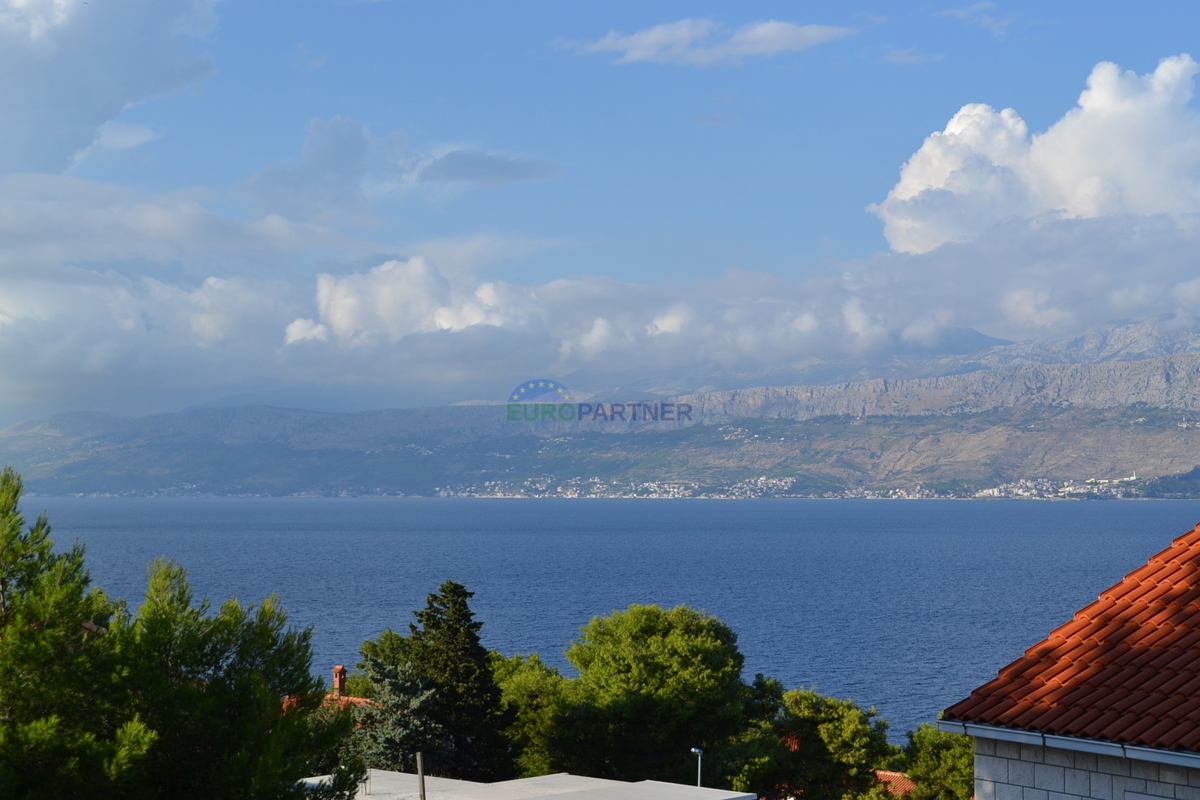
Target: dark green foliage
point(823, 747)
point(63, 731)
point(443, 649)
point(942, 765)
point(399, 724)
point(652, 684)
point(534, 696)
point(764, 700)
point(213, 687)
point(358, 684)
point(1181, 486)
point(175, 702)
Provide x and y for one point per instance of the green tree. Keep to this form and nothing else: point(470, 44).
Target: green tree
point(942, 765)
point(63, 730)
point(443, 648)
point(399, 723)
point(822, 747)
point(534, 696)
point(229, 694)
point(652, 684)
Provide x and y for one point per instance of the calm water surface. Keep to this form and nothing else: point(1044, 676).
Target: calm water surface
point(904, 605)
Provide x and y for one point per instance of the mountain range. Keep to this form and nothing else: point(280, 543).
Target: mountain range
point(1115, 399)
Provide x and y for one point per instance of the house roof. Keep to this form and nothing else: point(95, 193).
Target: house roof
point(345, 700)
point(1125, 669)
point(897, 783)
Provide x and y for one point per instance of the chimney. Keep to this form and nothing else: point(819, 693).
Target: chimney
point(339, 680)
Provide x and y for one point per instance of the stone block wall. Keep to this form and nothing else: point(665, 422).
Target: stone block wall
point(1010, 771)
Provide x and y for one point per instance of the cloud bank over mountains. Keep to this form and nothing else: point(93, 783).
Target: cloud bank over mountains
point(124, 300)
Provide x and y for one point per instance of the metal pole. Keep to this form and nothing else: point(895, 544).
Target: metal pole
point(699, 761)
point(421, 774)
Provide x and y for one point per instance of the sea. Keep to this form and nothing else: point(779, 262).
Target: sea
point(903, 605)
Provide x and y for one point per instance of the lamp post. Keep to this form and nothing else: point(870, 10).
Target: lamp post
point(699, 760)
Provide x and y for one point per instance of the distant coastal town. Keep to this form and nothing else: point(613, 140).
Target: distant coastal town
point(764, 487)
point(756, 488)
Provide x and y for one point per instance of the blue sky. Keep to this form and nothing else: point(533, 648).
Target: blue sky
point(394, 203)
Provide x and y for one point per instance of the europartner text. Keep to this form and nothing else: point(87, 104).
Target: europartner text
point(565, 412)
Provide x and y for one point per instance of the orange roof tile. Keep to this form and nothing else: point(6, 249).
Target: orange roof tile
point(1125, 669)
point(897, 783)
point(344, 700)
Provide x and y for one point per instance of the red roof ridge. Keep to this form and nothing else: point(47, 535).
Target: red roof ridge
point(1124, 669)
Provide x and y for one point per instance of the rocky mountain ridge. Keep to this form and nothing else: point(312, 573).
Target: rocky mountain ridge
point(1171, 382)
point(968, 430)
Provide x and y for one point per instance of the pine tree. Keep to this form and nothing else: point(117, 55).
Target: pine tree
point(443, 648)
point(229, 693)
point(63, 730)
point(399, 723)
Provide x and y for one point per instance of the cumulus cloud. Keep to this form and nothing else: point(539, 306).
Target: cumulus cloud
point(99, 340)
point(68, 67)
point(414, 331)
point(118, 300)
point(703, 42)
point(1131, 146)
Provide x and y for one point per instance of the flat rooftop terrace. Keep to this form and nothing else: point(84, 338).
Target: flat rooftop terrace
point(385, 785)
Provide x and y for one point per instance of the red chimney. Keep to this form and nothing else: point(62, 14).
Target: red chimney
point(339, 680)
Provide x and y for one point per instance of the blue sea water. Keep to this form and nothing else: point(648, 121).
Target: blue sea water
point(903, 605)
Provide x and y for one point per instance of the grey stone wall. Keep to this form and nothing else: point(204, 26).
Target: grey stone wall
point(1010, 771)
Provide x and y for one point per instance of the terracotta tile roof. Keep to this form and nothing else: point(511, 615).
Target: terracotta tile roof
point(1126, 669)
point(345, 700)
point(897, 783)
point(330, 700)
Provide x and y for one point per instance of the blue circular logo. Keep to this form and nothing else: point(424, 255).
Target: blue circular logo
point(542, 390)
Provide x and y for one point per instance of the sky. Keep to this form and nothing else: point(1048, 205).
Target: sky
point(345, 205)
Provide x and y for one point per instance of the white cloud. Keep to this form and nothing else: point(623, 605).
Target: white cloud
point(114, 136)
point(477, 166)
point(49, 221)
point(72, 338)
point(343, 166)
point(90, 339)
point(1131, 146)
point(68, 66)
point(399, 298)
point(124, 301)
point(980, 14)
point(672, 321)
point(703, 42)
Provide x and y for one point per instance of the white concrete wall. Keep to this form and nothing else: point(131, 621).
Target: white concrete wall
point(1010, 771)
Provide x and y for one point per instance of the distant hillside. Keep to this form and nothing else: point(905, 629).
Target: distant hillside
point(975, 429)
